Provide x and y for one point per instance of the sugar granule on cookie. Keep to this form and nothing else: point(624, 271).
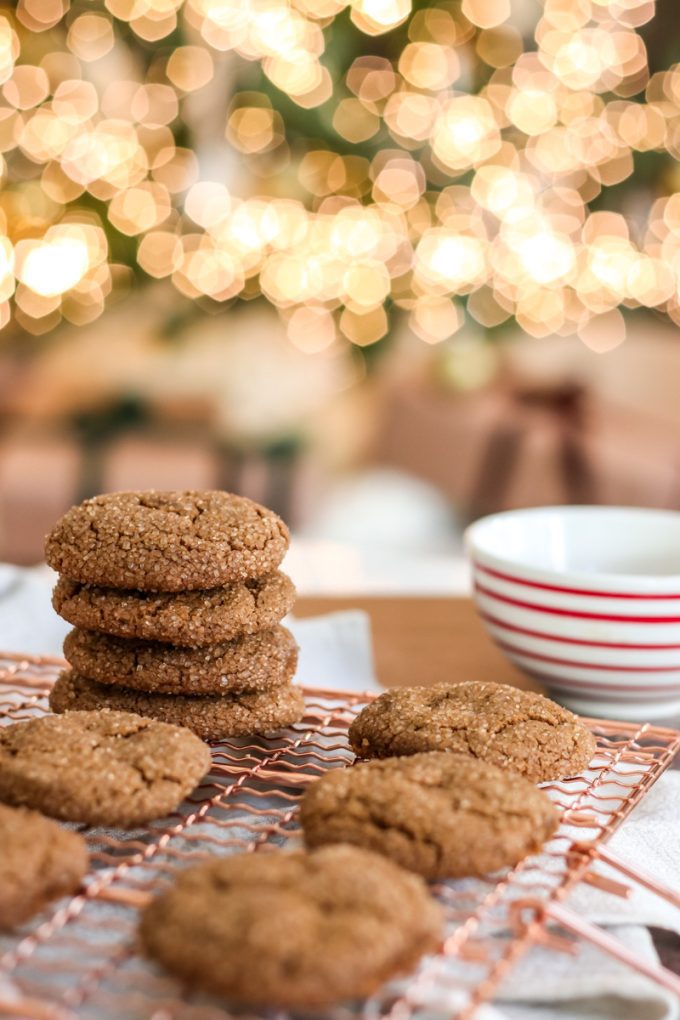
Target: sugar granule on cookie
point(508, 727)
point(441, 814)
point(292, 930)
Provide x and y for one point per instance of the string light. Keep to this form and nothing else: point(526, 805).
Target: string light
point(459, 203)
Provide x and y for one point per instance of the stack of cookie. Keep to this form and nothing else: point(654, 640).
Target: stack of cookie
point(176, 601)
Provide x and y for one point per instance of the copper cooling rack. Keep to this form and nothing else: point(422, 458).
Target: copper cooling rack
point(79, 958)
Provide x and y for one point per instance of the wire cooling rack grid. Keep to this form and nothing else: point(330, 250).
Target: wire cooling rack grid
point(79, 958)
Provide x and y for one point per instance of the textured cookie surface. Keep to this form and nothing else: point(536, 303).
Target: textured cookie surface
point(256, 662)
point(211, 717)
point(39, 862)
point(443, 815)
point(292, 929)
point(100, 768)
point(166, 541)
point(508, 727)
point(191, 619)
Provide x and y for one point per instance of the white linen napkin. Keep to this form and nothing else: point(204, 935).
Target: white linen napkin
point(336, 653)
point(27, 621)
point(650, 838)
point(546, 985)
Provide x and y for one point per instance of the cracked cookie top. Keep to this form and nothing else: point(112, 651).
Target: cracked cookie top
point(99, 767)
point(191, 619)
point(514, 729)
point(442, 815)
point(292, 929)
point(167, 541)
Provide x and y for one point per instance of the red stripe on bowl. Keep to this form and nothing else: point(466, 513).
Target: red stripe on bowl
point(564, 590)
point(605, 667)
point(571, 613)
point(488, 618)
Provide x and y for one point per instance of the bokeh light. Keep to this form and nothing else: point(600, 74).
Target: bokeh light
point(450, 177)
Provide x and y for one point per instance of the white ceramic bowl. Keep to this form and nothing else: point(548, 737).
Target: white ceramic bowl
point(587, 600)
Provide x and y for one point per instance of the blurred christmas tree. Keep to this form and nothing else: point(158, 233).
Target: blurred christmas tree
point(481, 159)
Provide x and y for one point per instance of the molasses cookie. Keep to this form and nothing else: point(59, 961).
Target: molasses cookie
point(292, 929)
point(100, 768)
point(39, 862)
point(440, 814)
point(166, 541)
point(211, 717)
point(191, 619)
point(514, 729)
point(256, 662)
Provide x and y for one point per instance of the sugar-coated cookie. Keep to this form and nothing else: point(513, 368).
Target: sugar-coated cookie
point(256, 662)
point(100, 768)
point(191, 619)
point(39, 862)
point(292, 929)
point(441, 814)
point(508, 727)
point(167, 541)
point(211, 717)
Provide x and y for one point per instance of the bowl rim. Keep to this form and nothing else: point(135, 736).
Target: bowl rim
point(662, 585)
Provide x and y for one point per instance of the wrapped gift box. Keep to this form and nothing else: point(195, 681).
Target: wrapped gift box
point(43, 474)
point(38, 476)
point(507, 446)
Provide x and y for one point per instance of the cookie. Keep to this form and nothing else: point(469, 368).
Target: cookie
point(211, 717)
point(503, 725)
point(257, 662)
point(100, 768)
point(292, 929)
point(39, 862)
point(439, 814)
point(191, 619)
point(166, 541)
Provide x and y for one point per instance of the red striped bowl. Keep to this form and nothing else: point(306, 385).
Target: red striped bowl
point(587, 600)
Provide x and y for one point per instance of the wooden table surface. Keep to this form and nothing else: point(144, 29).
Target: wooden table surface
point(425, 640)
point(433, 640)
